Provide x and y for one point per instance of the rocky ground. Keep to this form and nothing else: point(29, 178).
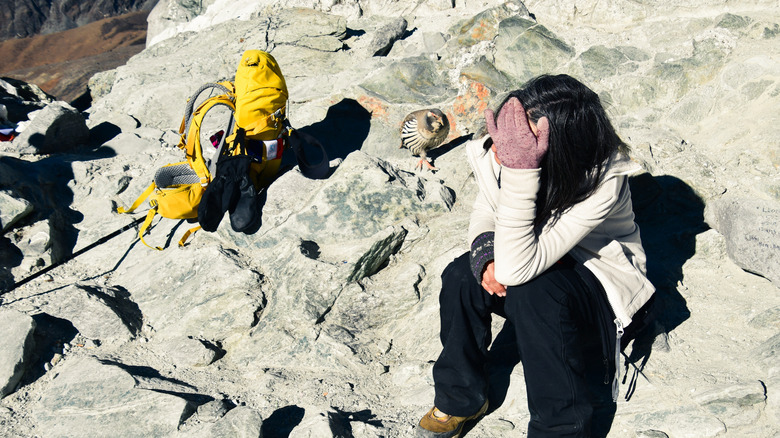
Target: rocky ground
point(325, 321)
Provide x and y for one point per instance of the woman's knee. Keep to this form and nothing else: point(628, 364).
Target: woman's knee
point(460, 289)
point(549, 289)
point(455, 276)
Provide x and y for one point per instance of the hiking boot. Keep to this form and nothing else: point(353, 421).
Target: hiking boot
point(437, 424)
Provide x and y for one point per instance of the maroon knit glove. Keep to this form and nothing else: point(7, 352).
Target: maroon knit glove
point(516, 145)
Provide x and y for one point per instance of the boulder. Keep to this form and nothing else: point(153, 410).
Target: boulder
point(12, 210)
point(16, 347)
point(56, 128)
point(99, 313)
point(319, 422)
point(241, 421)
point(518, 45)
point(89, 398)
point(20, 98)
point(386, 35)
point(187, 351)
point(750, 227)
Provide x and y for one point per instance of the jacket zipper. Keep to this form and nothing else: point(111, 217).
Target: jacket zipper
point(615, 381)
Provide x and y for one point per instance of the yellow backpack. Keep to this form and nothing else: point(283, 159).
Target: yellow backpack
point(258, 131)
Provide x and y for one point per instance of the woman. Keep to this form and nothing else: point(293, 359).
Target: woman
point(556, 251)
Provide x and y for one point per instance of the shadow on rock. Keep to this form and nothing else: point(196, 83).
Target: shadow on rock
point(282, 422)
point(343, 130)
point(340, 424)
point(44, 184)
point(121, 303)
point(10, 257)
point(446, 147)
point(51, 334)
point(670, 215)
point(145, 372)
point(103, 133)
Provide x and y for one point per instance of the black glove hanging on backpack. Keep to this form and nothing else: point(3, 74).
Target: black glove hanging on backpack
point(231, 190)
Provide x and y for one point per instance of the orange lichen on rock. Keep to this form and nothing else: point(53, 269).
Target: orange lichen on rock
point(482, 31)
point(470, 106)
point(375, 107)
point(454, 133)
point(474, 99)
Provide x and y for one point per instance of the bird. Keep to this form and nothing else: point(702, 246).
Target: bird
point(423, 130)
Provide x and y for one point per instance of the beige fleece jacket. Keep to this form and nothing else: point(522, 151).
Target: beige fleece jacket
point(599, 232)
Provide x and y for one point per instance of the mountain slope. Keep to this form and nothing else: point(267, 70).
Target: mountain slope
point(27, 18)
point(62, 63)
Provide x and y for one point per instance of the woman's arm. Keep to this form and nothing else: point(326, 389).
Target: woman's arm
point(521, 254)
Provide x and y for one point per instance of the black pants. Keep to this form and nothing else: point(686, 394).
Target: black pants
point(565, 337)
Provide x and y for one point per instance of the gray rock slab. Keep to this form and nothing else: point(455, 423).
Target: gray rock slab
point(483, 25)
point(99, 313)
point(319, 30)
point(239, 422)
point(212, 411)
point(20, 90)
point(110, 126)
point(684, 421)
point(773, 400)
point(15, 347)
point(36, 239)
point(737, 405)
point(751, 228)
point(365, 196)
point(417, 80)
point(419, 43)
point(386, 36)
point(601, 61)
point(210, 293)
point(387, 296)
point(12, 210)
point(185, 351)
point(131, 144)
point(100, 84)
point(318, 422)
point(88, 398)
point(288, 326)
point(519, 43)
point(767, 353)
point(383, 246)
point(167, 13)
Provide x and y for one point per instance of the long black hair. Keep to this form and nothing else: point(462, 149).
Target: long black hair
point(581, 141)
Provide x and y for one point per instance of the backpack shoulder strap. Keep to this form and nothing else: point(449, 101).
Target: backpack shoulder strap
point(149, 190)
point(224, 88)
point(190, 134)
